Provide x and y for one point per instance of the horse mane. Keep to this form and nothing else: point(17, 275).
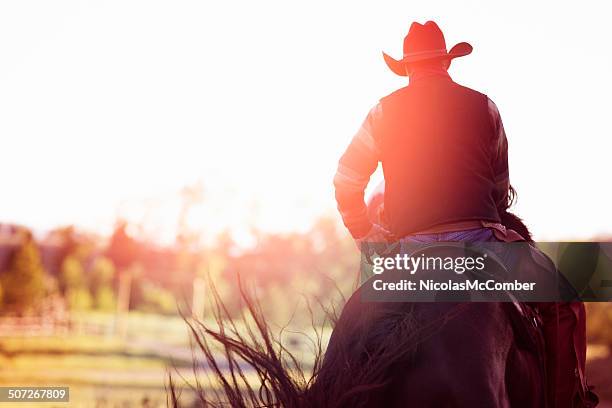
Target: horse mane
point(514, 222)
point(246, 345)
point(237, 349)
point(511, 220)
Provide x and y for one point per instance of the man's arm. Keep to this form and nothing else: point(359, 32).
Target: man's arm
point(499, 158)
point(356, 166)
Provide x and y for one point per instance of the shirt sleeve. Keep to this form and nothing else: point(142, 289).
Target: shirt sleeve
point(499, 158)
point(355, 167)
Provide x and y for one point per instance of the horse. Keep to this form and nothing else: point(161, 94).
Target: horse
point(382, 354)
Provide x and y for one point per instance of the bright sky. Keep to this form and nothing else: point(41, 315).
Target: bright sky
point(109, 108)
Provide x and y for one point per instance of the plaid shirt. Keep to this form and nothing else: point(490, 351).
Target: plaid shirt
point(361, 159)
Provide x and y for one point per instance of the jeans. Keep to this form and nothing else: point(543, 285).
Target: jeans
point(473, 235)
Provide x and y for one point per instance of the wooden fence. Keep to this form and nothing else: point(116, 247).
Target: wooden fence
point(54, 326)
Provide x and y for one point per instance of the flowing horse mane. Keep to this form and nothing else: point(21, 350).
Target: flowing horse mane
point(348, 377)
point(511, 220)
point(248, 346)
point(280, 378)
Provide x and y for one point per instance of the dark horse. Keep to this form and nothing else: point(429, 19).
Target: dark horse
point(382, 355)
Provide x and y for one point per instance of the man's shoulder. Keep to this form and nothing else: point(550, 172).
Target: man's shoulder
point(471, 90)
point(407, 89)
point(394, 94)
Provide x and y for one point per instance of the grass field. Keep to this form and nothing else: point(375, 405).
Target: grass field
point(132, 371)
point(107, 370)
point(101, 370)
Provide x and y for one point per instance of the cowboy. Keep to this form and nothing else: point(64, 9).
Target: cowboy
point(444, 155)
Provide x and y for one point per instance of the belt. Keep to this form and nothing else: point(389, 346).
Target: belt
point(452, 227)
point(500, 231)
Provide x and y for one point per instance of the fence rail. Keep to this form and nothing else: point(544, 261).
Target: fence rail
point(52, 326)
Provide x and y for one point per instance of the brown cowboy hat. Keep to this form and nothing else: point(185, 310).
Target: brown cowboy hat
point(425, 42)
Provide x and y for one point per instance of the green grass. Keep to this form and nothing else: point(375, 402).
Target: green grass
point(105, 370)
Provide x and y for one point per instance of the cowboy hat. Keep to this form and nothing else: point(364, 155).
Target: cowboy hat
point(425, 42)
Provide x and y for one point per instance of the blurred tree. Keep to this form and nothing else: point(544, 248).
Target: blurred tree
point(123, 249)
point(24, 282)
point(102, 272)
point(71, 273)
point(74, 284)
point(104, 299)
point(124, 252)
point(79, 298)
point(101, 278)
point(155, 299)
point(66, 236)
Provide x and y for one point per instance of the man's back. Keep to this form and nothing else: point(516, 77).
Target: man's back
point(444, 153)
point(435, 141)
